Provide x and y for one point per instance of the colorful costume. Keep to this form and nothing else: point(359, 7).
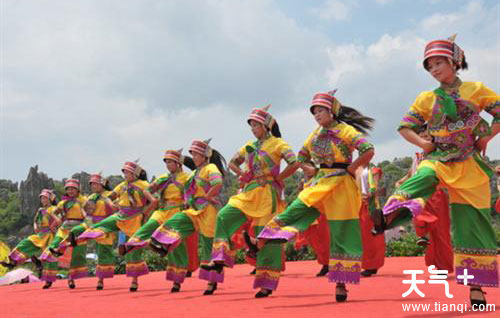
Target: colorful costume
point(35, 244)
point(131, 201)
point(333, 192)
point(373, 246)
point(72, 214)
point(452, 113)
point(99, 207)
point(317, 235)
point(199, 217)
point(260, 199)
point(434, 221)
point(170, 188)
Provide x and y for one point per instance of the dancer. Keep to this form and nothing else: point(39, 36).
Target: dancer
point(260, 199)
point(201, 192)
point(170, 187)
point(134, 204)
point(97, 207)
point(44, 225)
point(333, 190)
point(453, 160)
point(72, 214)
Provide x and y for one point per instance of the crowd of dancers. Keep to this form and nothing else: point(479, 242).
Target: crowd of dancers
point(337, 210)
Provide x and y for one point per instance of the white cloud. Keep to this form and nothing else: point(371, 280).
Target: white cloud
point(335, 10)
point(88, 85)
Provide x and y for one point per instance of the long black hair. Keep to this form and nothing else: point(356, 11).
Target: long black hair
point(354, 118)
point(188, 162)
point(218, 160)
point(106, 185)
point(143, 175)
point(275, 130)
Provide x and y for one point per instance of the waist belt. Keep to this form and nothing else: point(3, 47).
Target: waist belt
point(335, 165)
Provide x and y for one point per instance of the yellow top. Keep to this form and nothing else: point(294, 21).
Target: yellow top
point(454, 136)
point(333, 144)
point(102, 205)
point(170, 188)
point(261, 157)
point(261, 197)
point(130, 194)
point(72, 208)
point(42, 217)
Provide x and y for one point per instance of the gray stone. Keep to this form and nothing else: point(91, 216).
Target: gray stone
point(29, 192)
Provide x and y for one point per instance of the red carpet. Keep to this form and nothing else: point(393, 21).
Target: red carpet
point(300, 294)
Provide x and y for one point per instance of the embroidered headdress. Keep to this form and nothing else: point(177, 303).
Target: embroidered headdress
point(446, 48)
point(326, 100)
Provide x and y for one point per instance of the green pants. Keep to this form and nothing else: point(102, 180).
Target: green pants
point(345, 239)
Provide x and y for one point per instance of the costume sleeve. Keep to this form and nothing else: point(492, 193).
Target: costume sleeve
point(419, 113)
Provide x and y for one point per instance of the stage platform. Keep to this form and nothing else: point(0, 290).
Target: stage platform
point(300, 294)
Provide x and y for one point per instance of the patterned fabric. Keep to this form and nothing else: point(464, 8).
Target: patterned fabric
point(170, 188)
point(454, 128)
point(199, 184)
point(175, 155)
point(261, 166)
point(71, 209)
point(201, 147)
point(446, 48)
point(102, 206)
point(261, 115)
point(132, 167)
point(97, 178)
point(326, 100)
point(130, 194)
point(335, 144)
point(72, 183)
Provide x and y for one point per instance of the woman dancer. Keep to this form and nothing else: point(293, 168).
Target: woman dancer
point(44, 225)
point(201, 191)
point(72, 214)
point(333, 190)
point(453, 160)
point(260, 199)
point(170, 187)
point(134, 202)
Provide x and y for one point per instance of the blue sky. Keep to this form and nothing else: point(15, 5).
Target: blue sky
point(87, 85)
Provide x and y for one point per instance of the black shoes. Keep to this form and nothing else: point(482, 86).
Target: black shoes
point(100, 285)
point(263, 293)
point(47, 285)
point(189, 274)
point(340, 293)
point(158, 247)
point(133, 287)
point(71, 284)
point(324, 270)
point(211, 288)
point(176, 288)
point(253, 272)
point(475, 301)
point(55, 252)
point(368, 272)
